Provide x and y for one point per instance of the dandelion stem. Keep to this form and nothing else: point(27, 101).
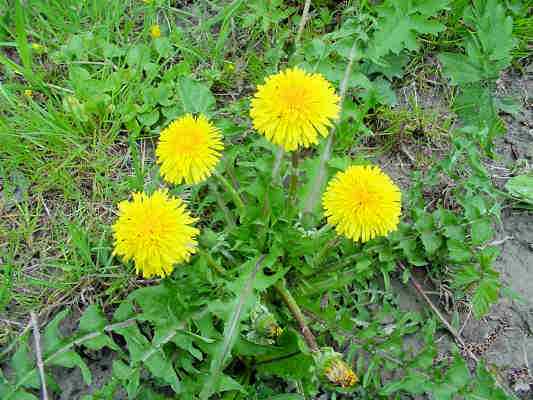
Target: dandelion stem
point(296, 312)
point(211, 262)
point(303, 21)
point(277, 165)
point(325, 249)
point(294, 176)
point(220, 201)
point(231, 190)
point(326, 153)
point(297, 44)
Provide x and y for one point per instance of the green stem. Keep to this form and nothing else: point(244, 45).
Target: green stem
point(231, 190)
point(303, 21)
point(294, 176)
point(220, 201)
point(277, 165)
point(296, 312)
point(325, 156)
point(331, 244)
point(212, 263)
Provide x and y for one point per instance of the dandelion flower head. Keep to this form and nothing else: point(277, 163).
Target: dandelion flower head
point(155, 232)
point(189, 150)
point(293, 107)
point(362, 203)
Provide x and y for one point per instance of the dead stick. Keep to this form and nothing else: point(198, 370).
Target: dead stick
point(445, 322)
point(498, 379)
point(38, 354)
point(303, 21)
point(293, 307)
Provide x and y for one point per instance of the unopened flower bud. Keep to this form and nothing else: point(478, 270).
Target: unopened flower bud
point(265, 327)
point(335, 370)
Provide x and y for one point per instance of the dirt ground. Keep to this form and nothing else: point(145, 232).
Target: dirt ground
point(513, 350)
point(507, 332)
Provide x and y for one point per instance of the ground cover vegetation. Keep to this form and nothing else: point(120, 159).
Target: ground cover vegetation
point(200, 188)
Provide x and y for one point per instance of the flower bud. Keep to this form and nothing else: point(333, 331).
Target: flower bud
point(265, 328)
point(334, 369)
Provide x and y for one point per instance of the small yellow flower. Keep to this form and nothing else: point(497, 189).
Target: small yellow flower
point(189, 150)
point(292, 107)
point(28, 93)
point(38, 48)
point(155, 232)
point(363, 203)
point(155, 31)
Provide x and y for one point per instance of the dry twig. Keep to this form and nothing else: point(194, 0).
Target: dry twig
point(39, 354)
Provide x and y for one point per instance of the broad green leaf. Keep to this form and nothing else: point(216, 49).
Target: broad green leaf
point(412, 251)
point(483, 16)
point(227, 383)
point(484, 387)
point(485, 295)
point(443, 391)
point(458, 251)
point(71, 359)
point(431, 241)
point(149, 119)
point(458, 374)
point(93, 320)
point(488, 51)
point(152, 354)
point(138, 56)
point(460, 68)
point(391, 388)
point(22, 365)
point(414, 383)
point(298, 366)
point(22, 395)
point(53, 345)
point(398, 24)
point(131, 377)
point(481, 231)
point(194, 97)
point(521, 187)
point(455, 232)
point(465, 276)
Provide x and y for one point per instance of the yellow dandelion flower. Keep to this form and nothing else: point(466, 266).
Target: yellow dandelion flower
point(155, 31)
point(189, 149)
point(363, 203)
point(155, 232)
point(292, 107)
point(28, 93)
